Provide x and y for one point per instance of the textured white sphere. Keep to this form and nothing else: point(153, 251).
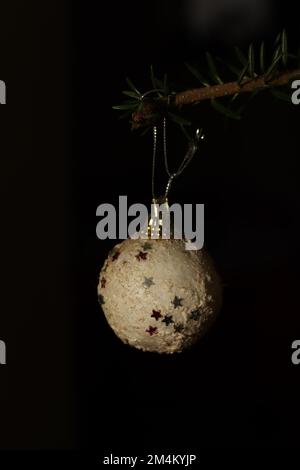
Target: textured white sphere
point(158, 296)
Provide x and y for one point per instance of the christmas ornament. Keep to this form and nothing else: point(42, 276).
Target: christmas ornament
point(156, 295)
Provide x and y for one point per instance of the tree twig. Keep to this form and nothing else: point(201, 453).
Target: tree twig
point(155, 108)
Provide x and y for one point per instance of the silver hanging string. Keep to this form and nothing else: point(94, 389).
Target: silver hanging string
point(153, 159)
point(165, 147)
point(193, 146)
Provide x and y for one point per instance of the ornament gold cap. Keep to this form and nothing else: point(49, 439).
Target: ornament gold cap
point(160, 205)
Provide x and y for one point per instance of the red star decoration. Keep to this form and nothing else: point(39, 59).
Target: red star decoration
point(151, 330)
point(116, 256)
point(103, 283)
point(141, 255)
point(156, 314)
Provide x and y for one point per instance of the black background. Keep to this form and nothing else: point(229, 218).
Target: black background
point(69, 382)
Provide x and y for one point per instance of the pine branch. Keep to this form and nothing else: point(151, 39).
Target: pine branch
point(255, 72)
point(156, 108)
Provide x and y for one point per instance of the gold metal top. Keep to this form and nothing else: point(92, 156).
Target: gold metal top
point(156, 229)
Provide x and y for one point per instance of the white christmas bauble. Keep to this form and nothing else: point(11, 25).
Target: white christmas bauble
point(158, 296)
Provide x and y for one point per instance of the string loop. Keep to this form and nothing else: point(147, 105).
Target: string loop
point(192, 148)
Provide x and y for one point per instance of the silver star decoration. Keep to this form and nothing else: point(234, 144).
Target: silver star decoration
point(147, 246)
point(177, 302)
point(178, 328)
point(195, 314)
point(168, 319)
point(148, 282)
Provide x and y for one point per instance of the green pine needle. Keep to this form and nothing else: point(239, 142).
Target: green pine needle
point(197, 74)
point(126, 105)
point(132, 94)
point(132, 86)
point(284, 48)
point(251, 63)
point(273, 67)
point(262, 57)
point(281, 95)
point(240, 56)
point(212, 68)
point(179, 119)
point(224, 110)
point(156, 83)
point(243, 73)
point(278, 39)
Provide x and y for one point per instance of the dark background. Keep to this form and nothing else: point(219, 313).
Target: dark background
point(69, 382)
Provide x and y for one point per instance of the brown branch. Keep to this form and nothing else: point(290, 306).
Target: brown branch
point(154, 109)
